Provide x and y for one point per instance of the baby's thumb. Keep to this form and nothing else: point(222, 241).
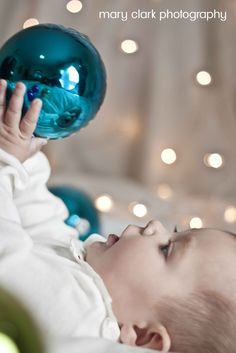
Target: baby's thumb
point(36, 144)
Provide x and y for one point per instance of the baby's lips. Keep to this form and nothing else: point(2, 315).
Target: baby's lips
point(112, 239)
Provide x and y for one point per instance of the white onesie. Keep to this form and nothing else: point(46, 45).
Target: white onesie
point(42, 262)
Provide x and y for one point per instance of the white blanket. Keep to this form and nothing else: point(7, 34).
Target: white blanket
point(93, 345)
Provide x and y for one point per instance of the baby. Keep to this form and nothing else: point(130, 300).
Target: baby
point(170, 292)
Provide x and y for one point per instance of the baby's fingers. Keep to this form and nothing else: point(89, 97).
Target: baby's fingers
point(29, 122)
point(13, 112)
point(36, 144)
point(3, 88)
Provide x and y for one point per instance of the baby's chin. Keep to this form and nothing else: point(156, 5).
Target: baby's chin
point(94, 251)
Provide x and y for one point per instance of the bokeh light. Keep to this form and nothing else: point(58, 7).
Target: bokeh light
point(138, 209)
point(195, 222)
point(168, 156)
point(30, 22)
point(213, 160)
point(230, 214)
point(129, 46)
point(104, 203)
point(203, 78)
point(74, 6)
point(164, 191)
point(7, 345)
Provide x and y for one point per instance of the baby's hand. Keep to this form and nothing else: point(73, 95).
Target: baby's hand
point(16, 133)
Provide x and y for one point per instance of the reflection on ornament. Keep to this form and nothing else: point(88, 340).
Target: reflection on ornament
point(168, 156)
point(196, 222)
point(104, 203)
point(82, 214)
point(230, 214)
point(62, 68)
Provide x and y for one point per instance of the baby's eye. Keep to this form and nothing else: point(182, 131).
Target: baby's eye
point(165, 249)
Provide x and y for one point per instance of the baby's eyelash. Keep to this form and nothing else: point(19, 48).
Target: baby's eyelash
point(165, 249)
point(175, 229)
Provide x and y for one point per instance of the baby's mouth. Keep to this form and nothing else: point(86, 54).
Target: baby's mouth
point(112, 239)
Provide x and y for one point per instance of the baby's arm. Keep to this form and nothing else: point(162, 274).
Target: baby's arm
point(40, 213)
point(15, 145)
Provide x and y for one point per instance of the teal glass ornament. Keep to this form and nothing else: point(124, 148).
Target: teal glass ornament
point(60, 66)
point(82, 213)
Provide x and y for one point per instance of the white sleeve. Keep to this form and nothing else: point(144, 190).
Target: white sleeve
point(12, 236)
point(41, 214)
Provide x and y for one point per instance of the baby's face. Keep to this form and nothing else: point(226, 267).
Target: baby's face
point(152, 263)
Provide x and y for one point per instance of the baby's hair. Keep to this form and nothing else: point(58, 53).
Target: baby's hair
point(203, 322)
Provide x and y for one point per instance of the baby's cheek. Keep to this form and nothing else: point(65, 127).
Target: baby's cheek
point(131, 256)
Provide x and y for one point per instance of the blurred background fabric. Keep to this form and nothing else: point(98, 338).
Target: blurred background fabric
point(154, 102)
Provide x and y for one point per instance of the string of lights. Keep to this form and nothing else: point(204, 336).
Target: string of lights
point(214, 160)
point(105, 203)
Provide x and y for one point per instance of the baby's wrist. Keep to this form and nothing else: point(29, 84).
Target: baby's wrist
point(13, 150)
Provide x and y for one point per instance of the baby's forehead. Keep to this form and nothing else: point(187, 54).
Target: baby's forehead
point(210, 235)
point(214, 232)
point(207, 231)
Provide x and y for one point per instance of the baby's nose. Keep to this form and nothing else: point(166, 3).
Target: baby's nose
point(131, 230)
point(155, 226)
point(148, 230)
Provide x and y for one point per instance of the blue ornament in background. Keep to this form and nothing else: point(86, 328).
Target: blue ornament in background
point(60, 66)
point(82, 212)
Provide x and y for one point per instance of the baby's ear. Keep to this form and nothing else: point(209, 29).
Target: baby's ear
point(150, 336)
